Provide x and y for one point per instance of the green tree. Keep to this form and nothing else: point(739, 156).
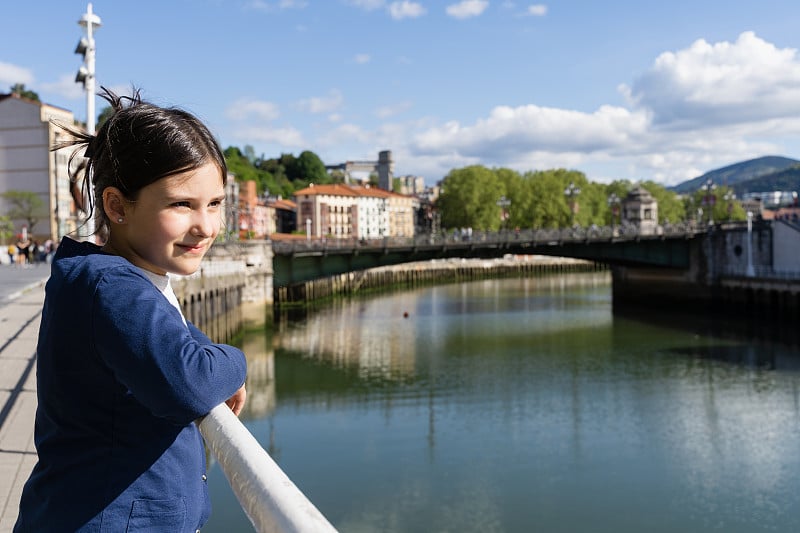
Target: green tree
point(512, 186)
point(6, 228)
point(24, 205)
point(469, 199)
point(239, 165)
point(310, 168)
point(551, 208)
point(338, 176)
point(250, 154)
point(20, 90)
point(718, 205)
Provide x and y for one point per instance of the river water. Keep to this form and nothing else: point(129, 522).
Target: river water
point(523, 405)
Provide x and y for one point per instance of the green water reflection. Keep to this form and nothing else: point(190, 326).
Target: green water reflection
point(523, 405)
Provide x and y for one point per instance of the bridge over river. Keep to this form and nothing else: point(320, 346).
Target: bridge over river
point(297, 261)
point(746, 268)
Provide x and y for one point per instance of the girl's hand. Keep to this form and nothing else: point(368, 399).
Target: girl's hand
point(236, 402)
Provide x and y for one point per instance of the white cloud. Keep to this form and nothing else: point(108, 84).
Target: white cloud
point(467, 8)
point(321, 104)
point(692, 110)
point(289, 138)
point(530, 128)
point(352, 132)
point(244, 109)
point(696, 109)
point(406, 9)
point(537, 10)
point(66, 87)
point(11, 74)
point(369, 5)
point(724, 83)
point(263, 5)
point(362, 58)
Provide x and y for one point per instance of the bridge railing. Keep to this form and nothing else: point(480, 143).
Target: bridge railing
point(466, 236)
point(269, 498)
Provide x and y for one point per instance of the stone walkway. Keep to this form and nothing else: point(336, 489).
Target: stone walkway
point(20, 314)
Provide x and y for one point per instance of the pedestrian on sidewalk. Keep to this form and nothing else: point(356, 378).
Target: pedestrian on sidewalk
point(121, 374)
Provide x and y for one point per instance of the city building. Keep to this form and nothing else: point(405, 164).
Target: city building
point(327, 211)
point(412, 185)
point(230, 231)
point(256, 218)
point(285, 214)
point(383, 168)
point(355, 211)
point(27, 132)
point(773, 199)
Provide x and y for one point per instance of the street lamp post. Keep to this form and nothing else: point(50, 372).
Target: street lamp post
point(729, 198)
point(613, 203)
point(709, 200)
point(86, 76)
point(503, 204)
point(308, 229)
point(571, 192)
point(750, 270)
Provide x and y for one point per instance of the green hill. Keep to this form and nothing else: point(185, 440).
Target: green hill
point(754, 175)
point(784, 180)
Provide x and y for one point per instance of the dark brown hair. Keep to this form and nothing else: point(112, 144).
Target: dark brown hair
point(139, 144)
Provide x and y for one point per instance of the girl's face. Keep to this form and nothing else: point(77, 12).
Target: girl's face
point(172, 223)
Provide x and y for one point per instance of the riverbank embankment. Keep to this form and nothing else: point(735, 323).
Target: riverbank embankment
point(409, 275)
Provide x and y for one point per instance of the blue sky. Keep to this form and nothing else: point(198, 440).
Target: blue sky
point(616, 89)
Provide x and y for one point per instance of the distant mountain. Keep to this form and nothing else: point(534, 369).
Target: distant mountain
point(783, 180)
point(747, 176)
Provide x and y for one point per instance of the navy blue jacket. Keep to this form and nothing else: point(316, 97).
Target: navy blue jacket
point(120, 378)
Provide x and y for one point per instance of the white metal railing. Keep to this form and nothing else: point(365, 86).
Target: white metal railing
point(269, 498)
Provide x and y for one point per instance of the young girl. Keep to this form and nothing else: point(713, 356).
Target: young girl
point(121, 374)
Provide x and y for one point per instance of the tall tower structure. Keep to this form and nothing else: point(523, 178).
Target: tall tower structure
point(385, 170)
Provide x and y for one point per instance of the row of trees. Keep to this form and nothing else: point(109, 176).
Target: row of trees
point(479, 197)
point(280, 176)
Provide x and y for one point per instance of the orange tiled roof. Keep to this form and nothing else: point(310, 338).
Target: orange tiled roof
point(335, 189)
point(284, 204)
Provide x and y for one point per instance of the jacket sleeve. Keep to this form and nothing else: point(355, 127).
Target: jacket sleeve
point(198, 335)
point(174, 373)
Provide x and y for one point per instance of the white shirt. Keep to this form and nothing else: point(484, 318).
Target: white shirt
point(163, 284)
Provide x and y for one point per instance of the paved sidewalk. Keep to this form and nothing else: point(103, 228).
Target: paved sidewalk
point(20, 314)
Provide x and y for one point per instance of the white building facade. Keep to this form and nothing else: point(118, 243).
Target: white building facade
point(27, 164)
point(350, 211)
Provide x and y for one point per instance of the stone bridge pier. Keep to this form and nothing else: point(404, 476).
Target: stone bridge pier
point(750, 273)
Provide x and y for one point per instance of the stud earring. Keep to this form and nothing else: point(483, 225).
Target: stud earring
point(119, 220)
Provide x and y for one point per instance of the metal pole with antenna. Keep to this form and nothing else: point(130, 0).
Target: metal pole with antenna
point(86, 48)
